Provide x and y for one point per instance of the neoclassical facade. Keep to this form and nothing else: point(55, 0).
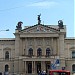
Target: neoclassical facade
point(36, 48)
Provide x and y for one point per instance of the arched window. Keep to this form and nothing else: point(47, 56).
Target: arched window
point(30, 52)
point(6, 68)
point(73, 67)
point(48, 52)
point(39, 52)
point(6, 55)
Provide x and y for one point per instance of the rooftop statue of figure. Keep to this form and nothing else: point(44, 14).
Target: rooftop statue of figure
point(19, 25)
point(39, 20)
point(60, 24)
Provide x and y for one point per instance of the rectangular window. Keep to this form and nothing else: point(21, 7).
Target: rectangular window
point(73, 54)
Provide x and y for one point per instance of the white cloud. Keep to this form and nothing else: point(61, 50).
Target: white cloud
point(44, 4)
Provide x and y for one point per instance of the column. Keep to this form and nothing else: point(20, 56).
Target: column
point(25, 67)
point(26, 44)
point(17, 45)
point(35, 51)
point(23, 46)
point(43, 65)
point(61, 45)
point(32, 67)
point(58, 46)
point(2, 51)
point(34, 47)
point(44, 51)
point(52, 45)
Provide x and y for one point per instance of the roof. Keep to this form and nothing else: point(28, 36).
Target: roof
point(49, 26)
point(7, 39)
point(69, 38)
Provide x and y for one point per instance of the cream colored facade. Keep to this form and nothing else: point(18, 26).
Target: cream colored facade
point(35, 48)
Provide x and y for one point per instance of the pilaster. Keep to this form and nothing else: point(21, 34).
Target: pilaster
point(17, 45)
point(33, 67)
point(26, 44)
point(35, 51)
point(52, 45)
point(43, 65)
point(44, 51)
point(25, 67)
point(61, 45)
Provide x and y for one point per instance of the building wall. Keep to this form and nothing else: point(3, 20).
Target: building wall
point(69, 47)
point(61, 48)
point(26, 40)
point(7, 45)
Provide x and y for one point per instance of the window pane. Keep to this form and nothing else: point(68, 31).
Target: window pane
point(47, 52)
point(30, 52)
point(39, 52)
point(7, 55)
point(73, 54)
point(6, 68)
point(73, 67)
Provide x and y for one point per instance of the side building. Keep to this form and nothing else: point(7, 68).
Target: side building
point(36, 48)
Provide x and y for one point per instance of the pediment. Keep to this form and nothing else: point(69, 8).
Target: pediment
point(40, 28)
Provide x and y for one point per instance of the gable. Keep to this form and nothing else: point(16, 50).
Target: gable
point(40, 28)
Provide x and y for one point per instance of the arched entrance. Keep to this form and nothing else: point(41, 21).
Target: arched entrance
point(6, 68)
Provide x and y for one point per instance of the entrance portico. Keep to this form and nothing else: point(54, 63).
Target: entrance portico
point(35, 66)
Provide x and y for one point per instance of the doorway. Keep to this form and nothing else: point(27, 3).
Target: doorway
point(38, 67)
point(47, 63)
point(29, 67)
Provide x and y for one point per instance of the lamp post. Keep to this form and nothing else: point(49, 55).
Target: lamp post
point(4, 30)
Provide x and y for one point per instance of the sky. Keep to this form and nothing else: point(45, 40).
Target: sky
point(13, 11)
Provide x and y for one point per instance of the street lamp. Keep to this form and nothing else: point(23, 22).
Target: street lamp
point(7, 30)
point(4, 30)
